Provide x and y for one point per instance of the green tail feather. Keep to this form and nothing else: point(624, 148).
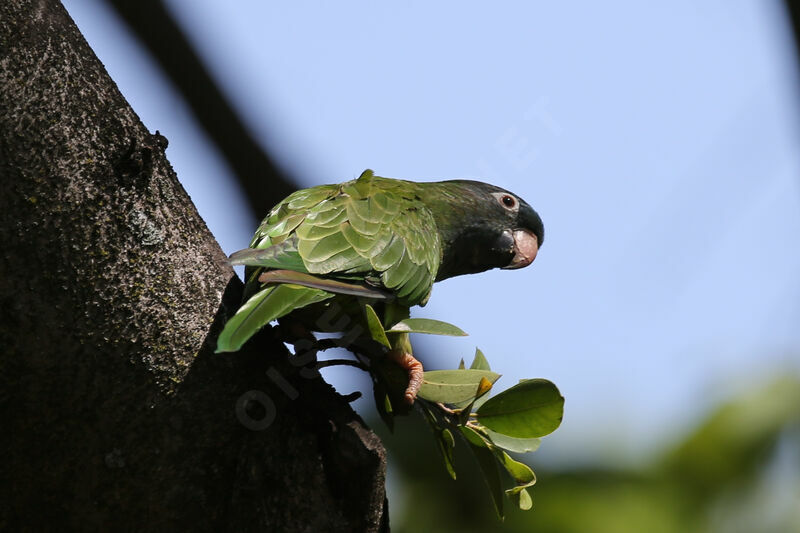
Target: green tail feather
point(262, 308)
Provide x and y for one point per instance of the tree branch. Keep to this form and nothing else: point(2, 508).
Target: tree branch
point(115, 412)
point(264, 183)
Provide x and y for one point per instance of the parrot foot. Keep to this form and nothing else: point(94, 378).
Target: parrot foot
point(414, 368)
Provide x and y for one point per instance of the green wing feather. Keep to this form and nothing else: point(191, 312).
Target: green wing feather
point(282, 255)
point(330, 285)
point(370, 228)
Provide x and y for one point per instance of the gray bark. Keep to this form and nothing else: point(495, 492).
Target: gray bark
point(115, 413)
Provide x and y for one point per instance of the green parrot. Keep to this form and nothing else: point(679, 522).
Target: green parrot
point(379, 240)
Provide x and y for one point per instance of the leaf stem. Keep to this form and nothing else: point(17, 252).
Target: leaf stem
point(343, 362)
point(446, 409)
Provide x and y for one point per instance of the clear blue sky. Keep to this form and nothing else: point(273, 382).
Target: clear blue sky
point(659, 144)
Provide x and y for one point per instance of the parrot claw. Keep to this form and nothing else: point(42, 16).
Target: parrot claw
point(414, 368)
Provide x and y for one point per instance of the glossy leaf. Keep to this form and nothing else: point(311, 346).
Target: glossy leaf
point(479, 401)
point(383, 405)
point(511, 444)
point(262, 308)
point(445, 442)
point(521, 497)
point(375, 327)
point(520, 472)
point(479, 396)
point(484, 386)
point(488, 464)
point(480, 362)
point(453, 386)
point(426, 325)
point(446, 445)
point(532, 408)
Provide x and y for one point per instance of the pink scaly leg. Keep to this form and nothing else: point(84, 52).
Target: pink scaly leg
point(414, 368)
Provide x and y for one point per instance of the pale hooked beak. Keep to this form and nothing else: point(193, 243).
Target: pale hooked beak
point(526, 246)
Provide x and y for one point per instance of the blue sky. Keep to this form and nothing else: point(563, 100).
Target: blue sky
point(659, 144)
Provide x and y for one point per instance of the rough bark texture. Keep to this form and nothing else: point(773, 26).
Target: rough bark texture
point(115, 413)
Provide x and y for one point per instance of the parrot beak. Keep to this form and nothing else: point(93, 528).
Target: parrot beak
point(526, 246)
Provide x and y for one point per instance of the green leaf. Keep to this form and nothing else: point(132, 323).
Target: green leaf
point(532, 408)
point(453, 386)
point(262, 308)
point(480, 362)
point(478, 402)
point(511, 444)
point(426, 325)
point(446, 445)
point(461, 365)
point(480, 395)
point(521, 497)
point(383, 405)
point(522, 473)
point(375, 327)
point(444, 439)
point(488, 464)
point(484, 386)
point(474, 438)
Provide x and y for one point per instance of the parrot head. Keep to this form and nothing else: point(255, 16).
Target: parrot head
point(483, 227)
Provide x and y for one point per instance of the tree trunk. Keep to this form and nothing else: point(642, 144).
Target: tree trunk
point(115, 412)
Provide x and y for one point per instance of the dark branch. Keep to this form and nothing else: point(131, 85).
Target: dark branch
point(264, 183)
point(793, 11)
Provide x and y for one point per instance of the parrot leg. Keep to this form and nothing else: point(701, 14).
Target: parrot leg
point(401, 353)
point(414, 368)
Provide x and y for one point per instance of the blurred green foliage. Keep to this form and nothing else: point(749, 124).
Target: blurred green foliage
point(738, 471)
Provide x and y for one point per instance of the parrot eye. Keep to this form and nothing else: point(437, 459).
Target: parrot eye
point(507, 201)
